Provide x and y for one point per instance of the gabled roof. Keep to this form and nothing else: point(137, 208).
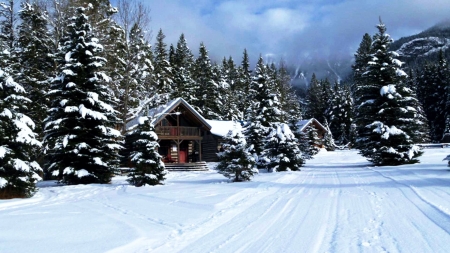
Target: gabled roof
point(303, 124)
point(159, 113)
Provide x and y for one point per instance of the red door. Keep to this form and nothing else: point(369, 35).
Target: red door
point(183, 156)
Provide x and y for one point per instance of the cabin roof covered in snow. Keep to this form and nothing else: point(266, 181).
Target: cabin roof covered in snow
point(222, 127)
point(303, 124)
point(159, 113)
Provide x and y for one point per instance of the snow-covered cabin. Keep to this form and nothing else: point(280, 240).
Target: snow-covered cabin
point(304, 124)
point(186, 138)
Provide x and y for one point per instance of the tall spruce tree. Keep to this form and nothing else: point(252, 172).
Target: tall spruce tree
point(209, 100)
point(83, 144)
point(183, 65)
point(227, 75)
point(386, 119)
point(362, 57)
point(341, 113)
point(18, 171)
point(243, 83)
point(163, 71)
point(136, 75)
point(315, 105)
point(264, 113)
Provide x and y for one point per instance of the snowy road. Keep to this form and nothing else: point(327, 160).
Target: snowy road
point(338, 203)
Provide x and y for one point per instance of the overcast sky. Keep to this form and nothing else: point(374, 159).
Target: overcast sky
point(291, 29)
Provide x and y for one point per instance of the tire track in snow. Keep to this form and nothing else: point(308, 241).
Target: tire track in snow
point(214, 233)
point(434, 213)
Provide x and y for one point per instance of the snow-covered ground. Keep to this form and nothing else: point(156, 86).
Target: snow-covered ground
point(337, 203)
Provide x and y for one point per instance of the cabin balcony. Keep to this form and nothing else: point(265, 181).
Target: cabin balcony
point(176, 132)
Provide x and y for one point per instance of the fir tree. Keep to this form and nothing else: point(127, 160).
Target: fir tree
point(264, 112)
point(362, 57)
point(227, 78)
point(282, 149)
point(341, 113)
point(183, 65)
point(209, 100)
point(236, 161)
point(18, 171)
point(386, 119)
point(36, 64)
point(328, 140)
point(242, 87)
point(314, 99)
point(314, 142)
point(83, 144)
point(163, 75)
point(148, 168)
point(137, 75)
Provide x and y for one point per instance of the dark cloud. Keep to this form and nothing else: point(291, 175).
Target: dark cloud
point(286, 28)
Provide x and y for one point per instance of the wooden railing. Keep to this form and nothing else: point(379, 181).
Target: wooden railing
point(177, 131)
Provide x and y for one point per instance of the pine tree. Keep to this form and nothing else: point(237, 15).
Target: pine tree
point(282, 149)
point(35, 63)
point(8, 38)
point(314, 99)
point(227, 78)
point(341, 113)
point(362, 57)
point(209, 100)
point(83, 144)
point(386, 119)
point(148, 166)
point(242, 87)
point(263, 114)
point(183, 65)
point(313, 140)
point(236, 161)
point(163, 75)
point(18, 171)
point(136, 75)
point(328, 141)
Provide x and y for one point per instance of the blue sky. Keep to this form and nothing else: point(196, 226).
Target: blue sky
point(291, 29)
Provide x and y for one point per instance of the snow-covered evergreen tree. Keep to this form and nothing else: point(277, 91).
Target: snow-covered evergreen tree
point(316, 105)
point(209, 99)
point(242, 86)
point(226, 77)
point(264, 112)
point(341, 113)
point(83, 144)
point(282, 149)
point(148, 168)
point(36, 64)
point(328, 140)
point(183, 65)
point(386, 119)
point(162, 75)
point(18, 172)
point(235, 161)
point(313, 140)
point(136, 74)
point(362, 57)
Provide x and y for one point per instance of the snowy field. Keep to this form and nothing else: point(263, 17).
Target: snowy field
point(338, 203)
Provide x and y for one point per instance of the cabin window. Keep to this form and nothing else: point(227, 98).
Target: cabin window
point(165, 122)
